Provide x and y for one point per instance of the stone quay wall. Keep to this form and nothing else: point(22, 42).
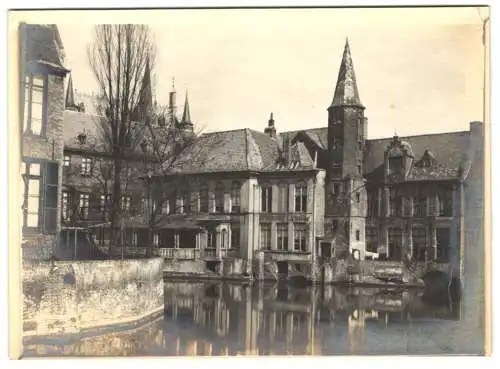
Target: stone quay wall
point(70, 296)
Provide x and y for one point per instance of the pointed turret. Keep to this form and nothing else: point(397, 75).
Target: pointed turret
point(346, 91)
point(145, 103)
point(70, 96)
point(270, 129)
point(186, 125)
point(172, 117)
point(186, 115)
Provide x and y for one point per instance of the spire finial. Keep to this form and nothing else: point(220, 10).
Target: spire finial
point(173, 83)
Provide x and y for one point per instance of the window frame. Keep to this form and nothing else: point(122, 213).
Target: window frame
point(300, 197)
point(86, 166)
point(43, 192)
point(235, 197)
point(204, 198)
point(28, 104)
point(266, 198)
point(84, 197)
point(66, 160)
point(300, 229)
point(282, 236)
point(219, 197)
point(265, 236)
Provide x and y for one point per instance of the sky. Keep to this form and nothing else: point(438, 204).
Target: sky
point(418, 70)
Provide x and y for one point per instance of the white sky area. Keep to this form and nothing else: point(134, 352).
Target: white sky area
point(418, 70)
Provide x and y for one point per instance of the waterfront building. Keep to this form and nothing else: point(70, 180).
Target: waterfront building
point(270, 203)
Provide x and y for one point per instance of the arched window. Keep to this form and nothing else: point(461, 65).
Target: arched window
point(235, 197)
point(204, 198)
point(223, 243)
point(219, 198)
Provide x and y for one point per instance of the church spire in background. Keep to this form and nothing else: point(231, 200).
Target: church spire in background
point(70, 96)
point(186, 115)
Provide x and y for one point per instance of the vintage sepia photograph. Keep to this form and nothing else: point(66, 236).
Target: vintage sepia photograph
point(257, 181)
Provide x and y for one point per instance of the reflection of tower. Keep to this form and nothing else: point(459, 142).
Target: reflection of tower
point(251, 327)
point(314, 344)
point(356, 327)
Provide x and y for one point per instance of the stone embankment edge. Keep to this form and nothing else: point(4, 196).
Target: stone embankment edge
point(118, 323)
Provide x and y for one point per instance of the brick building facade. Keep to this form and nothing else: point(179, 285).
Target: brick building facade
point(41, 78)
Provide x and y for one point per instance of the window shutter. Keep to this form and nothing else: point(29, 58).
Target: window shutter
point(51, 175)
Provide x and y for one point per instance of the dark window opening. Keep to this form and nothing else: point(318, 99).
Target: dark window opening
point(204, 199)
point(396, 165)
point(419, 239)
point(267, 199)
point(235, 197)
point(443, 244)
point(371, 236)
point(219, 198)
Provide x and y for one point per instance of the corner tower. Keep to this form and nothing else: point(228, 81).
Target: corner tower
point(346, 208)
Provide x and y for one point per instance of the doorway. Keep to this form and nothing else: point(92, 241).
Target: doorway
point(282, 268)
point(326, 250)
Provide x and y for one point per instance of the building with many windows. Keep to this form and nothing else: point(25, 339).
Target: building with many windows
point(248, 202)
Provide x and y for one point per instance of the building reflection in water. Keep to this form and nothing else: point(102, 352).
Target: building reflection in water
point(211, 319)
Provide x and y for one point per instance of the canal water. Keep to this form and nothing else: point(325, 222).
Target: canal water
point(211, 319)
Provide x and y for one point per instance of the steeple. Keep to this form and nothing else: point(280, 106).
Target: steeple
point(270, 129)
point(70, 96)
point(146, 95)
point(346, 91)
point(186, 115)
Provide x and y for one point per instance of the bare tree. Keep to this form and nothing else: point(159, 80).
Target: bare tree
point(120, 56)
point(165, 144)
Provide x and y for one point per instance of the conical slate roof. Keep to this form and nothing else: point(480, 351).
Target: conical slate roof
point(346, 91)
point(186, 115)
point(70, 95)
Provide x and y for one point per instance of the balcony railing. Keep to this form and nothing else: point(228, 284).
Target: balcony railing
point(288, 255)
point(183, 254)
point(191, 254)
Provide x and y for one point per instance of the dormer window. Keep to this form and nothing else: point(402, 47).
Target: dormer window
point(427, 159)
point(82, 138)
point(399, 157)
point(396, 165)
